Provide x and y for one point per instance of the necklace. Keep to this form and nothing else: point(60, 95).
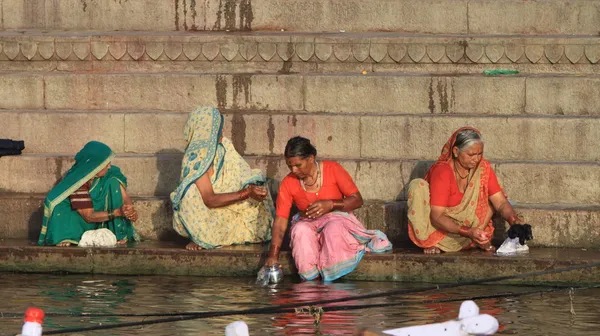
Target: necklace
point(318, 180)
point(457, 173)
point(315, 180)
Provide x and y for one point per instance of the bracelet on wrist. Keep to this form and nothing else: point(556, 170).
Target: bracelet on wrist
point(274, 250)
point(244, 194)
point(464, 231)
point(111, 215)
point(338, 205)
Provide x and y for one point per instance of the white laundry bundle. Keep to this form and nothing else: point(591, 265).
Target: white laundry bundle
point(516, 243)
point(512, 246)
point(469, 322)
point(98, 238)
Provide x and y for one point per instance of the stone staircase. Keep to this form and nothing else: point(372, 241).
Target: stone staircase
point(378, 85)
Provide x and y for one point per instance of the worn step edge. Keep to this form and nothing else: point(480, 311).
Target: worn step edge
point(402, 265)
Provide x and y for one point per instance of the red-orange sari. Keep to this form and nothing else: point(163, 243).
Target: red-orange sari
point(472, 210)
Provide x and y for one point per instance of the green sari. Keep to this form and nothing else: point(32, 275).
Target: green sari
point(63, 224)
point(247, 221)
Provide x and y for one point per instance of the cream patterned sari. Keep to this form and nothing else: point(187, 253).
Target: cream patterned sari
point(247, 221)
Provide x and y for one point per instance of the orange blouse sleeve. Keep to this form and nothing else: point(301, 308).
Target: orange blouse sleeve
point(439, 185)
point(343, 180)
point(284, 200)
point(493, 185)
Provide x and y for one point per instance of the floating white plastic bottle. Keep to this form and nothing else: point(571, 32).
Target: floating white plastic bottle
point(34, 318)
point(469, 322)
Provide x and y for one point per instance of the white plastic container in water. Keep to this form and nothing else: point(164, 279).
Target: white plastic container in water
point(34, 318)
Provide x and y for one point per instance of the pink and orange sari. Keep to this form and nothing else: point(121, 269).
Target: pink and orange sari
point(332, 245)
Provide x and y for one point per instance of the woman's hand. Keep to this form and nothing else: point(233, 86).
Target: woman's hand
point(479, 236)
point(272, 260)
point(319, 208)
point(257, 193)
point(129, 212)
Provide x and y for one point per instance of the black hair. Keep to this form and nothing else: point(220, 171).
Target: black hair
point(299, 146)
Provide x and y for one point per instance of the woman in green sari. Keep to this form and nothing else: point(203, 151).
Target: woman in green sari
point(91, 196)
point(219, 201)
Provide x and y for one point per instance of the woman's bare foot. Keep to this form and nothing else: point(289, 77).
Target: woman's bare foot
point(64, 244)
point(122, 242)
point(432, 250)
point(193, 247)
point(487, 247)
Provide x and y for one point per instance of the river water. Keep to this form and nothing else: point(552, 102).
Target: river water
point(557, 313)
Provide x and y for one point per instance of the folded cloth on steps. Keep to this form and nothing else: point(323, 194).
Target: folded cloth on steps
point(98, 238)
point(518, 235)
point(11, 147)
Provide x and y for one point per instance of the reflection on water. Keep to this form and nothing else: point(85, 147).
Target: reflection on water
point(547, 314)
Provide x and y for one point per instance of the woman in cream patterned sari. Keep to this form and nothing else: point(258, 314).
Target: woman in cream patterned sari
point(219, 201)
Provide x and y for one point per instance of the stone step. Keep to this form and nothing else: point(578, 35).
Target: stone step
point(365, 136)
point(425, 16)
point(384, 93)
point(294, 52)
point(151, 258)
point(554, 225)
point(158, 175)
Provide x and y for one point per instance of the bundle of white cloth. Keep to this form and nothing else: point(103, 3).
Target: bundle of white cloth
point(469, 322)
point(98, 238)
point(512, 246)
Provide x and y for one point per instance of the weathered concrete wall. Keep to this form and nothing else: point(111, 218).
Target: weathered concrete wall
point(22, 216)
point(563, 183)
point(345, 93)
point(408, 137)
point(425, 16)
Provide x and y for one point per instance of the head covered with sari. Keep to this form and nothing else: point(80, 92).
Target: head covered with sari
point(89, 161)
point(446, 154)
point(202, 132)
point(471, 211)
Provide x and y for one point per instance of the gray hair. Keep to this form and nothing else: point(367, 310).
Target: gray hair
point(466, 139)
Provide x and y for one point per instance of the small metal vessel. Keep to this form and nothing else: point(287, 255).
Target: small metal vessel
point(274, 274)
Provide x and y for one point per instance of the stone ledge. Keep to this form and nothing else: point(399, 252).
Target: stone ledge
point(400, 265)
point(367, 48)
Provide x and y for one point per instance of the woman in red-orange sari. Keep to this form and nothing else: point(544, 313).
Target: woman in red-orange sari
point(451, 209)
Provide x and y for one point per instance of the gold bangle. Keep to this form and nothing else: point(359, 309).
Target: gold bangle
point(244, 194)
point(338, 205)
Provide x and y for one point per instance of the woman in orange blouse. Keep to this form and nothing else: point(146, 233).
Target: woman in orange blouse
point(451, 209)
point(326, 238)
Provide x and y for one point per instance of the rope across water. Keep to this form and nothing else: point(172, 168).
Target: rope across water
point(291, 308)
